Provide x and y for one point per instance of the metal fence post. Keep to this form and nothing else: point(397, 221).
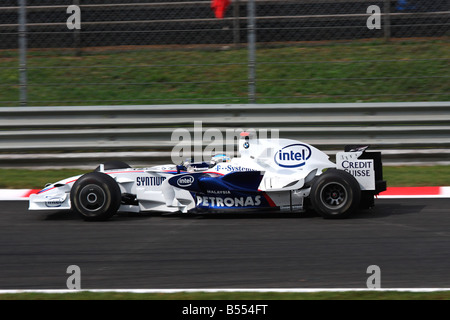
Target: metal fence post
point(251, 34)
point(387, 20)
point(77, 35)
point(236, 24)
point(23, 52)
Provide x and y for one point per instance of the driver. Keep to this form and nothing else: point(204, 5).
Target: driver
point(190, 166)
point(218, 159)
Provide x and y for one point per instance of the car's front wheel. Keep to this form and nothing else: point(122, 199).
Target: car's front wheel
point(95, 196)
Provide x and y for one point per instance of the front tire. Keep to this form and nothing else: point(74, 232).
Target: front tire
point(335, 194)
point(95, 196)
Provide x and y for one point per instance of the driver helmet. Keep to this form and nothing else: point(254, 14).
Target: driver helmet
point(220, 158)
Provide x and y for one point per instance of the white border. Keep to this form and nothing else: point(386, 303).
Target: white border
point(294, 290)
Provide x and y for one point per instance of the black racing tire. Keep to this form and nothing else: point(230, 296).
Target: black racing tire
point(113, 165)
point(95, 196)
point(335, 194)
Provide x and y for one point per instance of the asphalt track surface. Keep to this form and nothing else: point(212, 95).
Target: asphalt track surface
point(408, 239)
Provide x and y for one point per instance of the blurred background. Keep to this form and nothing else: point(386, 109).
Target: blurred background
point(224, 59)
point(178, 51)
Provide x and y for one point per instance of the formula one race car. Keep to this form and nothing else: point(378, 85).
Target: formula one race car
point(270, 174)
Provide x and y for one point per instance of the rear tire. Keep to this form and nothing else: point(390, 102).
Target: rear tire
point(335, 194)
point(95, 196)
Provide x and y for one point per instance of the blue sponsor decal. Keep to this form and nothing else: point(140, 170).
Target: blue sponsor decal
point(185, 181)
point(231, 168)
point(293, 156)
point(54, 202)
point(221, 202)
point(149, 181)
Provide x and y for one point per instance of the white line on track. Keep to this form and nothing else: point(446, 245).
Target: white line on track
point(226, 290)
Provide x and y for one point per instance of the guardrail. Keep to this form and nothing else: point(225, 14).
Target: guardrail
point(406, 133)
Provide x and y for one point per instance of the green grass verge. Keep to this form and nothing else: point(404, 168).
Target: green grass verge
point(33, 179)
point(395, 176)
point(360, 71)
point(417, 176)
point(345, 295)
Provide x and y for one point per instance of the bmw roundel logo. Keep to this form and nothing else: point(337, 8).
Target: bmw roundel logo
point(246, 145)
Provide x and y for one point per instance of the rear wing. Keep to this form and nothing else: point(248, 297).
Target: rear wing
point(365, 166)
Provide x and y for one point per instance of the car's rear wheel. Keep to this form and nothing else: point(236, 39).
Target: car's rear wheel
point(335, 194)
point(96, 196)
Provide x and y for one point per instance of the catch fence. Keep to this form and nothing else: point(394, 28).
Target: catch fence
point(406, 133)
point(262, 51)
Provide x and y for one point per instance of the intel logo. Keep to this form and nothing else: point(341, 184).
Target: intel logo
point(185, 181)
point(292, 156)
point(54, 203)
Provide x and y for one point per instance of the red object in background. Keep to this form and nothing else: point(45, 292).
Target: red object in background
point(219, 7)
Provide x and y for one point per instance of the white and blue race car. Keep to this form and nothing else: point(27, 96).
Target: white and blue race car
point(270, 174)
